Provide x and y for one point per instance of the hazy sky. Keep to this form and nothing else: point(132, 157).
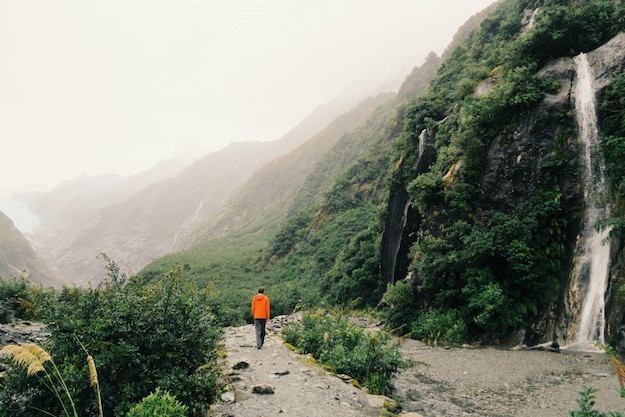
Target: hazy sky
point(117, 85)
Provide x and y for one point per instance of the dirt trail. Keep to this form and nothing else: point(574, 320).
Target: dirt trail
point(300, 388)
point(444, 382)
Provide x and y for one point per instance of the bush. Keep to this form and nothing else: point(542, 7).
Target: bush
point(141, 338)
point(437, 326)
point(370, 358)
point(13, 294)
point(158, 403)
point(400, 306)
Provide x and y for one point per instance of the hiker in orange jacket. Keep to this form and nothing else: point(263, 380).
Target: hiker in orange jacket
point(260, 312)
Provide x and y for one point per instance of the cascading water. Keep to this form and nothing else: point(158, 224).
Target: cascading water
point(422, 142)
point(593, 255)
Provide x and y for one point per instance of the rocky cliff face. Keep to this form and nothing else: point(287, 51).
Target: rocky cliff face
point(517, 167)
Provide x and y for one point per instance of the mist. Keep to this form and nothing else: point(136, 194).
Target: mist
point(117, 86)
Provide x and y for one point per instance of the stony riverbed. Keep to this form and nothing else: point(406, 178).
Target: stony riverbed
point(445, 381)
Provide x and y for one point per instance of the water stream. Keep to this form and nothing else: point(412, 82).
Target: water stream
point(593, 255)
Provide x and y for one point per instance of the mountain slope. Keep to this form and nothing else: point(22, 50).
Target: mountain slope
point(135, 225)
point(240, 260)
point(267, 195)
point(17, 256)
point(474, 198)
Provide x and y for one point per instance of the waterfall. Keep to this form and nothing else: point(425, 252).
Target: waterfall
point(593, 254)
point(422, 142)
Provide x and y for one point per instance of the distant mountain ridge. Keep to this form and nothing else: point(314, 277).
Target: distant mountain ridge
point(137, 219)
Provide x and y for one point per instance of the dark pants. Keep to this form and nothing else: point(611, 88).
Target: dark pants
point(260, 331)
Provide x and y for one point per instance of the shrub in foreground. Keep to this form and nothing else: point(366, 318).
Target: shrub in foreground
point(140, 337)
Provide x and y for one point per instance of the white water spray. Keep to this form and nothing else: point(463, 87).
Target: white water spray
point(422, 142)
point(593, 257)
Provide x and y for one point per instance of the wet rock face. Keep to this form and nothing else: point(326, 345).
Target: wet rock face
point(608, 60)
point(513, 164)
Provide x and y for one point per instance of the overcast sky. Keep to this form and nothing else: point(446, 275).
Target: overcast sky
point(115, 86)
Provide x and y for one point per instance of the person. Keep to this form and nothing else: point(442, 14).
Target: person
point(260, 312)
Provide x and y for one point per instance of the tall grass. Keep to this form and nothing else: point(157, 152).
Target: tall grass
point(33, 358)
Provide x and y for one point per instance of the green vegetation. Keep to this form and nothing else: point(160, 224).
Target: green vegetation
point(141, 337)
point(613, 150)
point(481, 265)
point(586, 404)
point(158, 403)
point(14, 299)
point(370, 357)
point(34, 360)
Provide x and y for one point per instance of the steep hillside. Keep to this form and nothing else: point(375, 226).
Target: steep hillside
point(238, 261)
point(269, 192)
point(473, 202)
point(17, 256)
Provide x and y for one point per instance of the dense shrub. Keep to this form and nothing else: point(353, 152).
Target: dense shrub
point(13, 297)
point(371, 358)
point(612, 147)
point(140, 337)
point(399, 300)
point(436, 326)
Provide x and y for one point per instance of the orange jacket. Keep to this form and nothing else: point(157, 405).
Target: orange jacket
point(260, 306)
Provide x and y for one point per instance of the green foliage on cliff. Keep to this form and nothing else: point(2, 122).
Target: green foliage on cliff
point(613, 151)
point(490, 264)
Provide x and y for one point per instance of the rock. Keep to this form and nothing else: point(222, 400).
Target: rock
point(548, 347)
point(228, 397)
point(240, 395)
point(241, 365)
point(411, 414)
point(262, 389)
point(376, 400)
point(346, 378)
point(282, 373)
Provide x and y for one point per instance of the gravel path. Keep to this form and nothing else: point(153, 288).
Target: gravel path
point(444, 382)
point(300, 388)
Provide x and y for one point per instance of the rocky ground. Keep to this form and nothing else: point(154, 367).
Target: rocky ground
point(503, 382)
point(449, 381)
point(291, 385)
point(445, 381)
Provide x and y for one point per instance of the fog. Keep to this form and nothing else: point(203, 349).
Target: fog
point(116, 86)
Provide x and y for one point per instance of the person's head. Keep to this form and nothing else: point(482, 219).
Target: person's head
point(261, 290)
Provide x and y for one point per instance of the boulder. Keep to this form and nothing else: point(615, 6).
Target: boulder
point(262, 389)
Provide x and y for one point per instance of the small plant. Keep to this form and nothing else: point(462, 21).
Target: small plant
point(159, 403)
point(586, 401)
point(586, 404)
